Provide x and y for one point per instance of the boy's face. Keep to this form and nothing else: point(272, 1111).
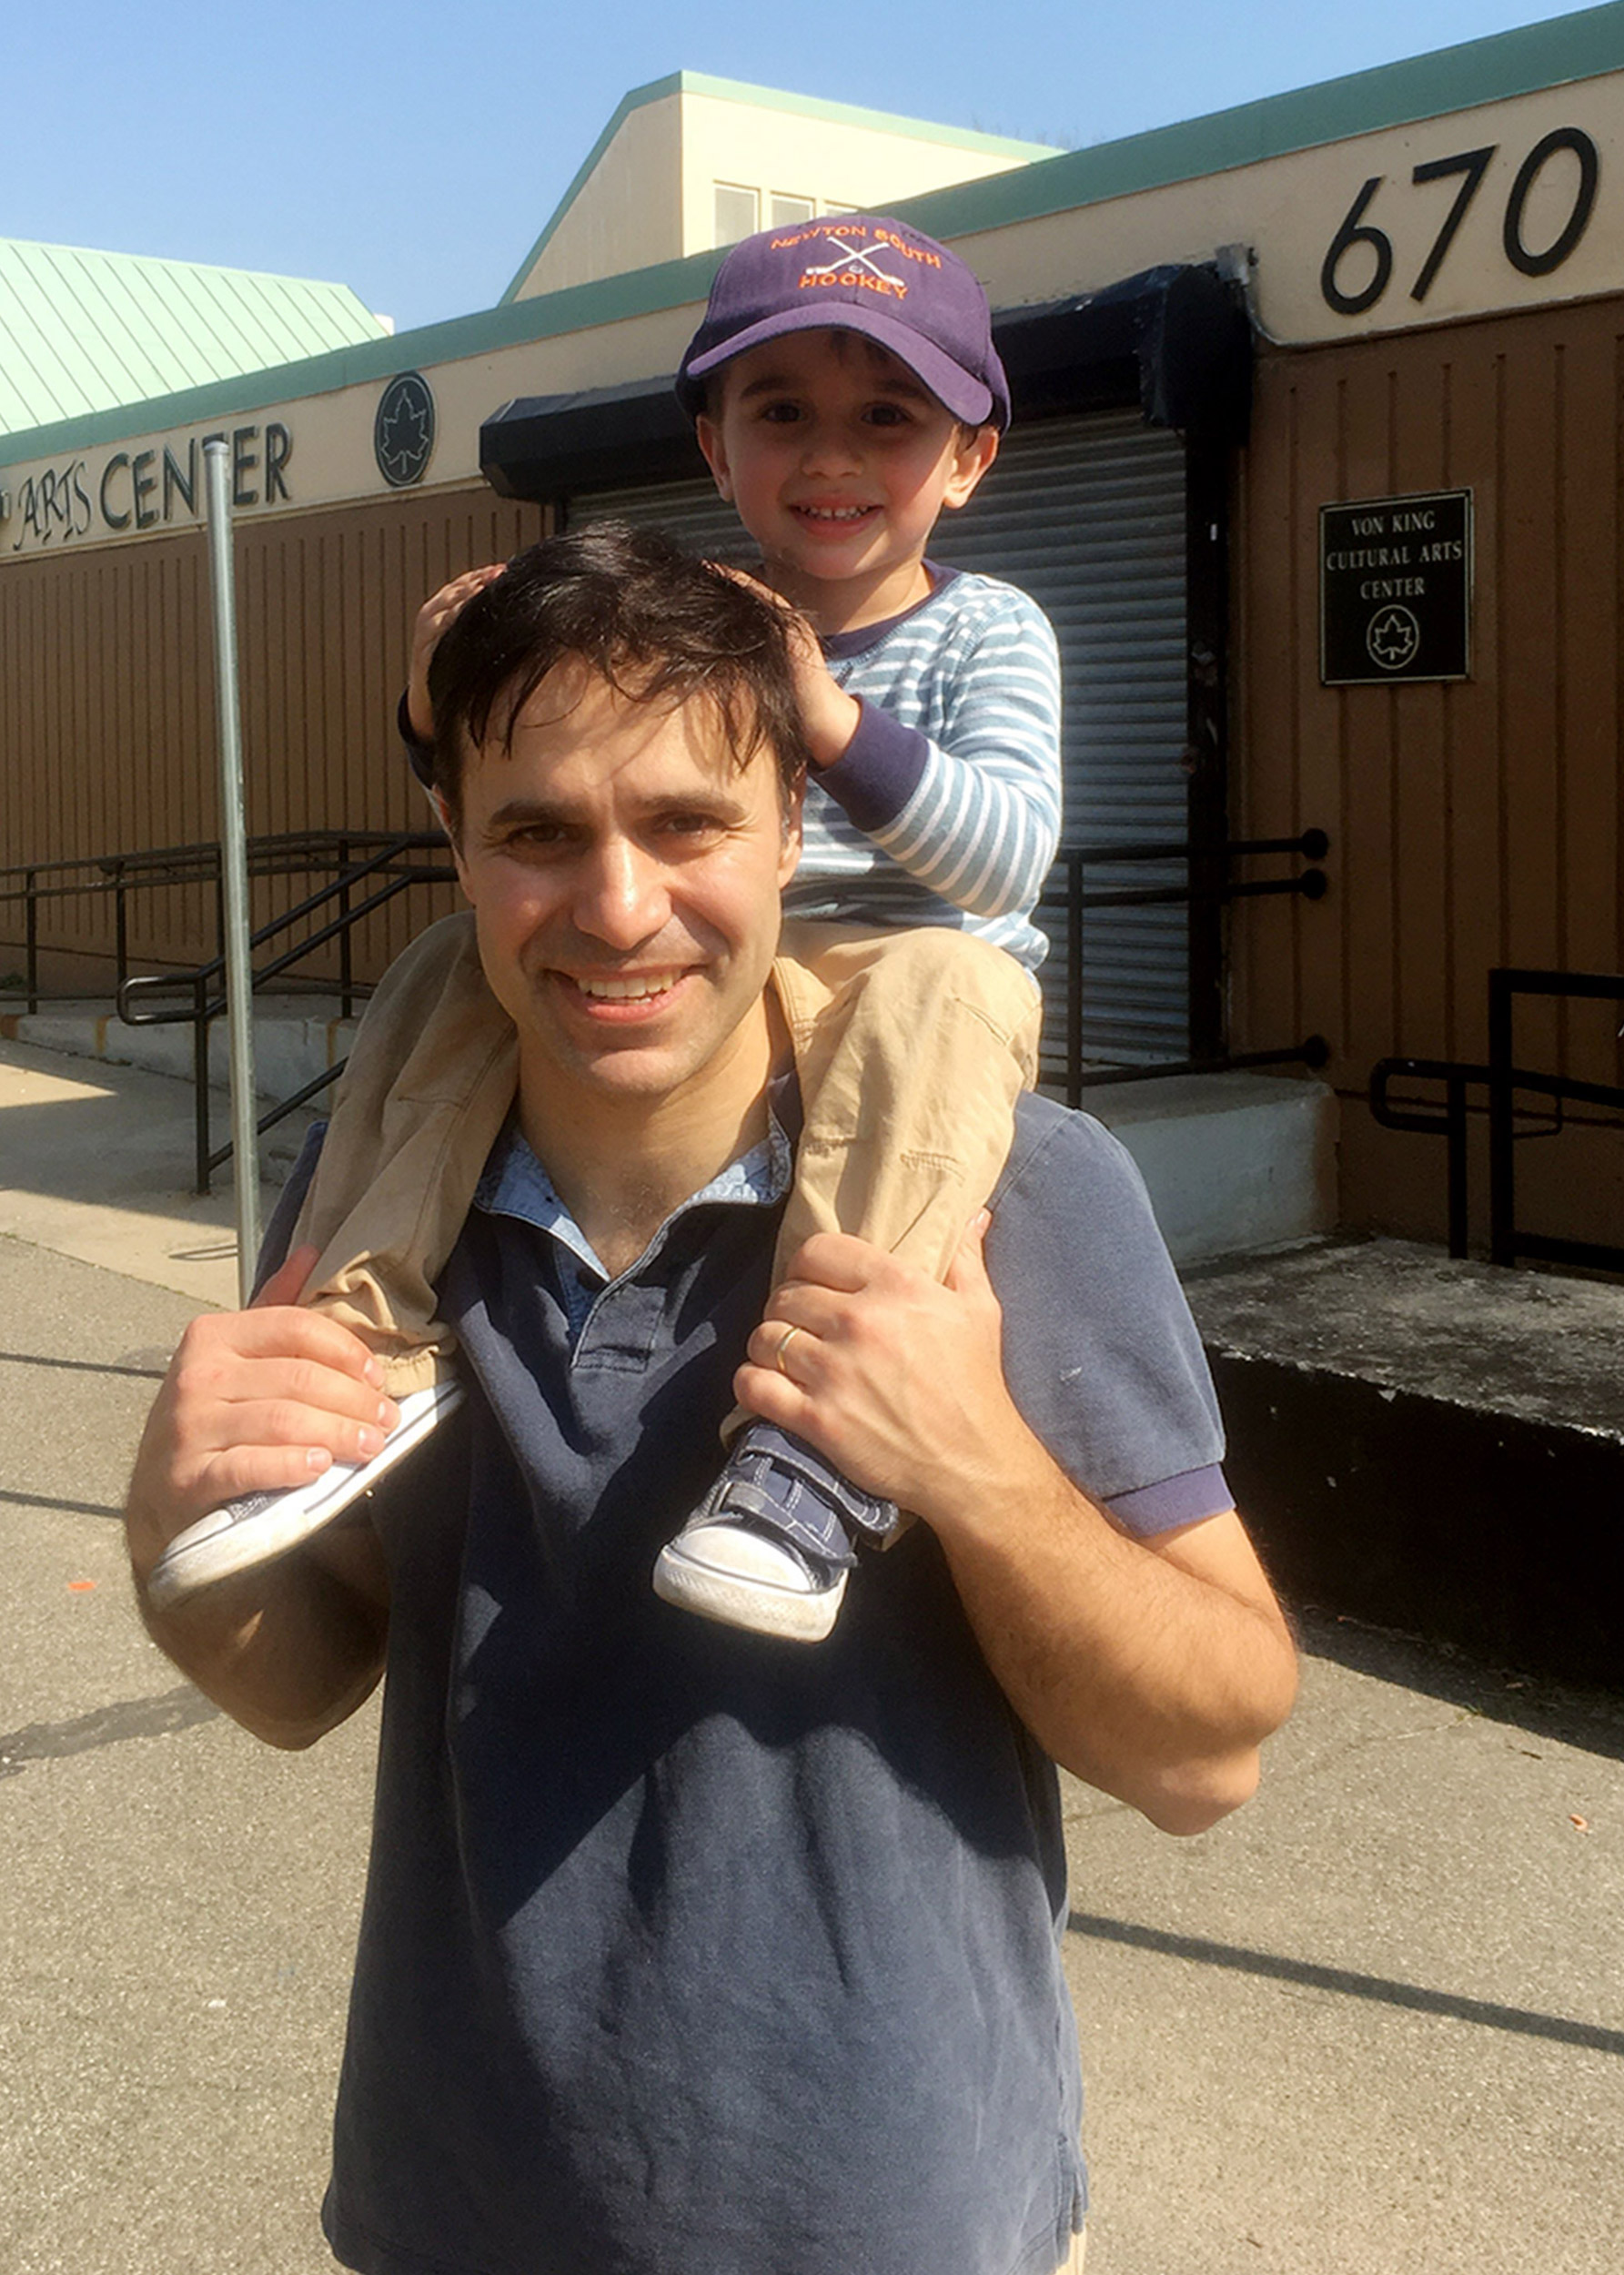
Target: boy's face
point(840, 462)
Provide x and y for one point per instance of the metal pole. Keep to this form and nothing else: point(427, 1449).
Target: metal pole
point(1502, 1133)
point(233, 865)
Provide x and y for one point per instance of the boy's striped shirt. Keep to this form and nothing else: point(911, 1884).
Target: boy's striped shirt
point(945, 810)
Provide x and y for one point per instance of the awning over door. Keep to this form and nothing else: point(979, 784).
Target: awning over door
point(1174, 341)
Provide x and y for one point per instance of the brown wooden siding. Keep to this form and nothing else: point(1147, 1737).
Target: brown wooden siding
point(1475, 823)
point(107, 702)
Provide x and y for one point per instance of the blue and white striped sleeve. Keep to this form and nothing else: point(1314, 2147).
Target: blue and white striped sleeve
point(971, 811)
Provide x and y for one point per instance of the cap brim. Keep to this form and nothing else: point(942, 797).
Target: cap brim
point(968, 398)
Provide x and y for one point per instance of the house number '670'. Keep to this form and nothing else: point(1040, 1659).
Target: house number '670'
point(1358, 235)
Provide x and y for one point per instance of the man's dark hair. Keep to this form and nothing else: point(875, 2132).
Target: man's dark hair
point(655, 623)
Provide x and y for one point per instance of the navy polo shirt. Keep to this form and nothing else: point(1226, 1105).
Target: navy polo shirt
point(685, 1951)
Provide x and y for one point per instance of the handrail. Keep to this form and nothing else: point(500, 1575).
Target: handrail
point(156, 982)
point(1503, 1080)
point(1506, 983)
point(206, 1007)
point(394, 860)
point(282, 853)
point(1450, 1121)
point(391, 859)
point(1069, 893)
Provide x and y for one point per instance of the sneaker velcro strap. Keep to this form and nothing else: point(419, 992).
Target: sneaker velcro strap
point(792, 1515)
point(765, 1443)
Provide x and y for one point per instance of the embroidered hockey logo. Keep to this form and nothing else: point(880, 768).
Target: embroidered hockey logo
point(857, 267)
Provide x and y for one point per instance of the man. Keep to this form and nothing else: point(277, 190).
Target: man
point(683, 1955)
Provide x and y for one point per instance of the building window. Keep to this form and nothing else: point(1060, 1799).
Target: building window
point(788, 213)
point(829, 206)
point(738, 213)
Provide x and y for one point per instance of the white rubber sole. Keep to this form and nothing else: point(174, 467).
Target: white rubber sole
point(261, 1527)
point(755, 1600)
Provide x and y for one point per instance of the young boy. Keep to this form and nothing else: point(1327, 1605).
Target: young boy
point(845, 392)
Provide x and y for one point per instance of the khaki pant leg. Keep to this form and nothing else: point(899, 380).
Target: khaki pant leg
point(418, 1107)
point(912, 1049)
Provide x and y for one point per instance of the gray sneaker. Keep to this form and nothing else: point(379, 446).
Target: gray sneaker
point(261, 1526)
point(770, 1546)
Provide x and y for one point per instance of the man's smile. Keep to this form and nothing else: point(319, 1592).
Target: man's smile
point(623, 987)
point(621, 998)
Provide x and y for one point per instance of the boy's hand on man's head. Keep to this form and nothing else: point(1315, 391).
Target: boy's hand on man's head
point(435, 618)
point(828, 714)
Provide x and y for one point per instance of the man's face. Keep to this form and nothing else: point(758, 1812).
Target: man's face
point(625, 876)
point(839, 460)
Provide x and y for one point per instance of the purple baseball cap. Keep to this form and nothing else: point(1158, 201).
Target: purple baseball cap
point(857, 273)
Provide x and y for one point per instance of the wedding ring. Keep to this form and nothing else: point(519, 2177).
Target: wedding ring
point(784, 1342)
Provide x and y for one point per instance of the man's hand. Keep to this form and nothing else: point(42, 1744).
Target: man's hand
point(828, 715)
point(254, 1401)
point(1152, 1668)
point(435, 618)
point(896, 1380)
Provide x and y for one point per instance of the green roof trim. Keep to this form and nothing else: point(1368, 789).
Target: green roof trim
point(580, 307)
point(83, 331)
point(762, 98)
point(1553, 54)
point(1521, 62)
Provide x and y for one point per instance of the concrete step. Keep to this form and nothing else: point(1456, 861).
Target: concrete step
point(1234, 1163)
point(296, 1039)
point(1430, 1445)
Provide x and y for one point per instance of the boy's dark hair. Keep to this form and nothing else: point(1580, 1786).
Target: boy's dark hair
point(643, 614)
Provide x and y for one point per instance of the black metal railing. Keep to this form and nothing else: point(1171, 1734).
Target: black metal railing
point(362, 871)
point(1508, 1123)
point(359, 873)
point(393, 866)
point(339, 856)
point(1208, 880)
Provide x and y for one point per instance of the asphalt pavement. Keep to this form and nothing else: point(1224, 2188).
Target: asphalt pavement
point(1372, 2024)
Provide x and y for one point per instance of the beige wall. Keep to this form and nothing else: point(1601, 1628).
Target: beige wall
point(628, 213)
point(651, 197)
point(1289, 209)
point(819, 158)
point(329, 456)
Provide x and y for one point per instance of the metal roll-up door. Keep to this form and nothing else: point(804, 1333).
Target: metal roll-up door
point(1087, 515)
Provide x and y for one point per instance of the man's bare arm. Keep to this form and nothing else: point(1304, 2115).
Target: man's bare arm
point(256, 1400)
point(1152, 1669)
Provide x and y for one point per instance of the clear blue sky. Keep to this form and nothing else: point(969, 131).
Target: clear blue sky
point(414, 152)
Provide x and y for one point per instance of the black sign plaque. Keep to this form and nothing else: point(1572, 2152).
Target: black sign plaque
point(1396, 590)
point(403, 430)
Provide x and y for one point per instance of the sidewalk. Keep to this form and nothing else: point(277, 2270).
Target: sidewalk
point(1373, 2024)
point(98, 1162)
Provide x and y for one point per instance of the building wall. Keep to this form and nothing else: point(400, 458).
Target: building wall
point(107, 700)
point(848, 163)
point(1473, 823)
point(628, 213)
point(647, 193)
point(1105, 220)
